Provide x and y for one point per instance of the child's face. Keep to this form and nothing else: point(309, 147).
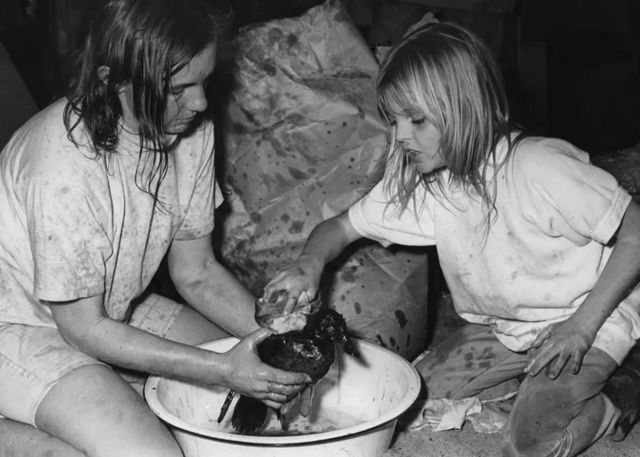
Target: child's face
point(419, 139)
point(187, 96)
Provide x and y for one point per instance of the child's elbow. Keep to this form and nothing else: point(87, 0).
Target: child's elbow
point(629, 232)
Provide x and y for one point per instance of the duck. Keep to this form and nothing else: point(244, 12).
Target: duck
point(311, 350)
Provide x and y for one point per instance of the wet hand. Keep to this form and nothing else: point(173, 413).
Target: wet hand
point(246, 374)
point(271, 313)
point(559, 345)
point(304, 398)
point(297, 283)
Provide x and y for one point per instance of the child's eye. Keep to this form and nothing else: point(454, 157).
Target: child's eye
point(418, 120)
point(177, 91)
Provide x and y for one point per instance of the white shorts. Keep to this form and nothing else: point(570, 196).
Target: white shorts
point(33, 359)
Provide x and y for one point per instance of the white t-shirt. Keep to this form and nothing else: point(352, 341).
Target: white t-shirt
point(545, 250)
point(75, 225)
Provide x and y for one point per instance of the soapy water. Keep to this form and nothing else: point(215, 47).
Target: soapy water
point(323, 420)
point(329, 412)
point(331, 409)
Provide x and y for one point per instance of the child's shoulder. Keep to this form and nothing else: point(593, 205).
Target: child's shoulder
point(540, 154)
point(41, 147)
point(42, 123)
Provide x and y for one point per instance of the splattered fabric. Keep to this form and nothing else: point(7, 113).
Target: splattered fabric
point(303, 141)
point(76, 225)
point(550, 417)
point(547, 246)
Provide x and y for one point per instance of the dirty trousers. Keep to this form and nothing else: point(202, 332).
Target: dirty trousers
point(550, 417)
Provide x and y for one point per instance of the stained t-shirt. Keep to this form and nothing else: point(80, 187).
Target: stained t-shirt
point(76, 224)
point(555, 215)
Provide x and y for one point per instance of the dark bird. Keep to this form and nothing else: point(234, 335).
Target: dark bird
point(310, 350)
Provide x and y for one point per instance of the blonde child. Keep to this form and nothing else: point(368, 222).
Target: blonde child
point(540, 249)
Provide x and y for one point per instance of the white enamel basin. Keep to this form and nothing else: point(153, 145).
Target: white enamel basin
point(354, 410)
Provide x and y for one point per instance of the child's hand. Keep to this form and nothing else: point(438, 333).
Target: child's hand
point(299, 280)
point(304, 399)
point(558, 345)
point(272, 313)
point(247, 375)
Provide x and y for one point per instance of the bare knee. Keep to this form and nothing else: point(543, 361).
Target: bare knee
point(144, 444)
point(94, 410)
point(20, 439)
point(132, 450)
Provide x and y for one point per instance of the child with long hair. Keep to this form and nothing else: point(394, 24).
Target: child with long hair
point(95, 191)
point(539, 248)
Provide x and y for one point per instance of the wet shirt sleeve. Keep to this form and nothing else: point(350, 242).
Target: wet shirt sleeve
point(68, 235)
point(374, 218)
point(204, 193)
point(565, 195)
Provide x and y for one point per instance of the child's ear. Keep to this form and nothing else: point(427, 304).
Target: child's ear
point(103, 74)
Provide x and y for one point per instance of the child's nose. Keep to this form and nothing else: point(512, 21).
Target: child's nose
point(198, 101)
point(402, 131)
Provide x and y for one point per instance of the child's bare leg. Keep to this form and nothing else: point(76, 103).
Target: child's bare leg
point(23, 440)
point(561, 417)
point(177, 322)
point(191, 327)
point(93, 409)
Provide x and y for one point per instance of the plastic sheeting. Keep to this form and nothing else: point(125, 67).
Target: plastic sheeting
point(302, 141)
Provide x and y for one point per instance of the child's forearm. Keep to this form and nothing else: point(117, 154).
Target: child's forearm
point(329, 238)
point(300, 279)
point(219, 296)
point(84, 325)
point(619, 276)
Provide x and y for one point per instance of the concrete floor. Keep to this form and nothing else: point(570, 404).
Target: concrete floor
point(468, 443)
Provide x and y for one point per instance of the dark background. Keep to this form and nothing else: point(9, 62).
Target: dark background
point(571, 66)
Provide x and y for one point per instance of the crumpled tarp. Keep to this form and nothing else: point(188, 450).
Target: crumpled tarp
point(302, 141)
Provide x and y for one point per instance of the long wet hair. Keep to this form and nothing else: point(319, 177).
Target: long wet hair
point(142, 43)
point(449, 75)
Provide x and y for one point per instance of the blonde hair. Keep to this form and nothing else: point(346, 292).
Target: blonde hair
point(447, 73)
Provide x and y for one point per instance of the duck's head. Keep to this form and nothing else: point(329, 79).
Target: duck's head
point(328, 324)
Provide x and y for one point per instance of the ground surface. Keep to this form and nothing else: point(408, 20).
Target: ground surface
point(468, 443)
